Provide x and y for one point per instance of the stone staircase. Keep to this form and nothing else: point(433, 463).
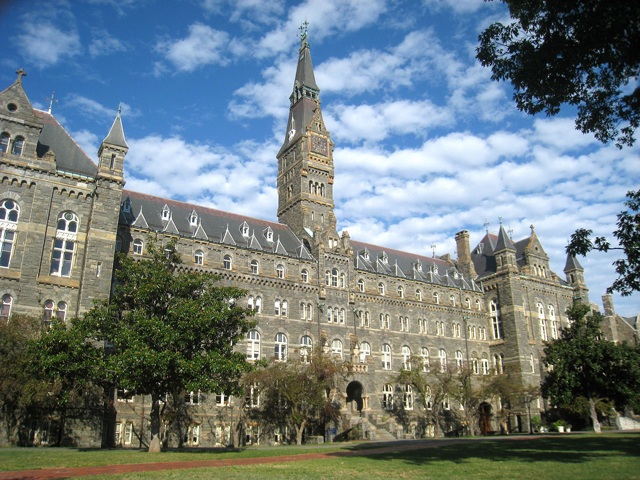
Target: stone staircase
point(371, 427)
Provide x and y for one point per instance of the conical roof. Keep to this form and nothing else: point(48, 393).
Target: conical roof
point(116, 134)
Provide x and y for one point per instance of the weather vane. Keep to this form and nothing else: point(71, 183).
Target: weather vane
point(486, 225)
point(433, 247)
point(51, 100)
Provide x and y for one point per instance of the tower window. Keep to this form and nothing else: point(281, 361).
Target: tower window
point(9, 213)
point(18, 145)
point(4, 142)
point(64, 245)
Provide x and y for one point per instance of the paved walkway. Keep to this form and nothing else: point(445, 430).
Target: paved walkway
point(48, 473)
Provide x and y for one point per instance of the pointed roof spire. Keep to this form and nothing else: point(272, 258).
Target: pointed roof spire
point(503, 240)
point(116, 134)
point(572, 264)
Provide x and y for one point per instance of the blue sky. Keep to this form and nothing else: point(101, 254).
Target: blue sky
point(426, 143)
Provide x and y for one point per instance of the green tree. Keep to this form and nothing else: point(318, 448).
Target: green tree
point(584, 53)
point(628, 236)
point(163, 331)
point(582, 365)
point(300, 392)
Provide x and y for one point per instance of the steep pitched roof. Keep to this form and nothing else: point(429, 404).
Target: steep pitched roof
point(116, 134)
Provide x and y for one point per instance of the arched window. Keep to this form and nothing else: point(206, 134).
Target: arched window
point(343, 280)
point(253, 345)
point(406, 357)
point(4, 142)
point(336, 348)
point(61, 313)
point(258, 304)
point(365, 351)
point(327, 278)
point(306, 345)
point(285, 308)
point(281, 347)
point(400, 291)
point(138, 246)
point(343, 315)
point(5, 309)
point(329, 315)
point(334, 277)
point(496, 321)
point(276, 308)
point(424, 353)
point(387, 396)
point(442, 357)
point(250, 303)
point(309, 312)
point(193, 219)
point(64, 245)
point(9, 213)
point(419, 295)
point(166, 213)
point(381, 288)
point(386, 356)
point(227, 262)
point(255, 269)
point(304, 275)
point(459, 358)
point(478, 305)
point(199, 257)
point(407, 397)
point(303, 311)
point(554, 322)
point(48, 312)
point(361, 285)
point(367, 320)
point(18, 145)
point(280, 271)
point(467, 301)
point(436, 298)
point(452, 300)
point(543, 323)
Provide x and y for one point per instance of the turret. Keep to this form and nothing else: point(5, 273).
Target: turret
point(575, 277)
point(112, 152)
point(505, 252)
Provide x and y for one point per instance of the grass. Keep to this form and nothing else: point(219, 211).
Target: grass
point(603, 457)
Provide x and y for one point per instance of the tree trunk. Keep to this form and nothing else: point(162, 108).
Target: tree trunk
point(154, 445)
point(299, 432)
point(594, 416)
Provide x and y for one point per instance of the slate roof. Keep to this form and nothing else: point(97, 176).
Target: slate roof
point(116, 134)
point(386, 261)
point(145, 211)
point(69, 156)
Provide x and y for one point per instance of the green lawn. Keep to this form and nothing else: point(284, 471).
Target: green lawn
point(608, 456)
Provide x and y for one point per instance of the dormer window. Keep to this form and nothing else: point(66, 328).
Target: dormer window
point(384, 257)
point(193, 219)
point(268, 234)
point(166, 213)
point(418, 266)
point(365, 254)
point(244, 229)
point(126, 206)
point(480, 248)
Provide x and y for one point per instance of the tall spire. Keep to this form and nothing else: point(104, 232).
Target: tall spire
point(116, 134)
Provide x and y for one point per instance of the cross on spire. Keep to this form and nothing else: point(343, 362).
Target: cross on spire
point(51, 100)
point(486, 225)
point(21, 73)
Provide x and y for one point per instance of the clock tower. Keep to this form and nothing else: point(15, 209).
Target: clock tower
point(305, 161)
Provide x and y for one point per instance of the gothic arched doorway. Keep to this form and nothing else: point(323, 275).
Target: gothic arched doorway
point(485, 418)
point(354, 394)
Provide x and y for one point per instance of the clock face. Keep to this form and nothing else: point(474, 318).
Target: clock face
point(319, 145)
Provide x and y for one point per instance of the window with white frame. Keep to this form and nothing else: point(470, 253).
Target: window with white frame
point(475, 365)
point(424, 353)
point(280, 271)
point(304, 275)
point(252, 397)
point(128, 433)
point(496, 321)
point(192, 398)
point(367, 320)
point(419, 295)
point(365, 351)
point(329, 315)
point(303, 311)
point(428, 398)
point(407, 397)
point(166, 213)
point(406, 357)
point(381, 288)
point(258, 304)
point(227, 262)
point(459, 359)
point(336, 348)
point(47, 315)
point(442, 358)
point(306, 346)
point(18, 145)
point(543, 323)
point(467, 302)
point(222, 400)
point(138, 246)
point(199, 257)
point(343, 315)
point(193, 218)
point(386, 356)
point(64, 244)
point(244, 229)
point(327, 278)
point(478, 305)
point(334, 277)
point(400, 291)
point(485, 366)
point(118, 434)
point(361, 285)
point(61, 312)
point(255, 268)
point(9, 213)
point(343, 281)
point(268, 234)
point(253, 345)
point(309, 312)
point(554, 322)
point(436, 298)
point(285, 308)
point(452, 300)
point(387, 396)
point(280, 349)
point(4, 142)
point(384, 321)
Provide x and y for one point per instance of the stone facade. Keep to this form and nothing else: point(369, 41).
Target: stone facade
point(492, 306)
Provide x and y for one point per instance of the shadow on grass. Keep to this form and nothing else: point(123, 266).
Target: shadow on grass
point(563, 449)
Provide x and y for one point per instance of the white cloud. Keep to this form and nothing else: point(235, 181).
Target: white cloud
point(96, 110)
point(247, 11)
point(88, 141)
point(44, 44)
point(458, 6)
point(203, 46)
point(104, 44)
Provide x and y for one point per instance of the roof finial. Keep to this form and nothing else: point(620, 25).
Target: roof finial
point(500, 218)
point(486, 225)
point(433, 247)
point(303, 33)
point(119, 109)
point(21, 73)
point(510, 231)
point(51, 100)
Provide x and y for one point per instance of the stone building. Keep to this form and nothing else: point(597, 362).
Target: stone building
point(63, 218)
